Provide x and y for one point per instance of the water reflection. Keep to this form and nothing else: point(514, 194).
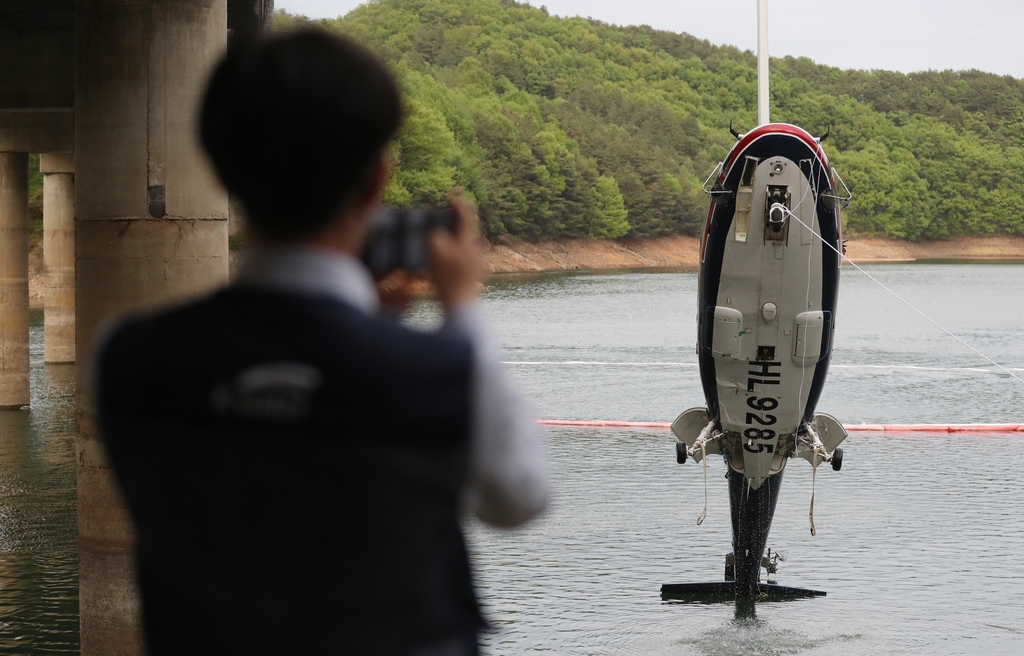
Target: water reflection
point(38, 514)
point(912, 524)
point(918, 537)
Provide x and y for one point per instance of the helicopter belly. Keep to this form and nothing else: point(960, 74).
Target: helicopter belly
point(769, 324)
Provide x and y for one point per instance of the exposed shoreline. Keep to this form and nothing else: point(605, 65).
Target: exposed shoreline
point(668, 252)
point(677, 251)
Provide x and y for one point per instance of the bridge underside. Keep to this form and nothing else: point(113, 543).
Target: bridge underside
point(106, 92)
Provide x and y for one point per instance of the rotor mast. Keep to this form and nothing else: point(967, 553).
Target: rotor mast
point(762, 62)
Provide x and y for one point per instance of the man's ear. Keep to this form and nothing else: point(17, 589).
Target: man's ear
point(377, 176)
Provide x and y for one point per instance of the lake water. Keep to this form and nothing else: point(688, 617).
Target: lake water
point(38, 513)
point(919, 537)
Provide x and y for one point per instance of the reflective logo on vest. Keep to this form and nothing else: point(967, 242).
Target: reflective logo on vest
point(273, 391)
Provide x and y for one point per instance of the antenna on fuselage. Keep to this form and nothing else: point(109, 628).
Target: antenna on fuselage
point(762, 62)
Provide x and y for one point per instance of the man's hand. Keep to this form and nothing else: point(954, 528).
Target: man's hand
point(455, 260)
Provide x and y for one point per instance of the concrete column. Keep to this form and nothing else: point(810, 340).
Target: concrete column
point(58, 171)
point(235, 216)
point(150, 230)
point(13, 280)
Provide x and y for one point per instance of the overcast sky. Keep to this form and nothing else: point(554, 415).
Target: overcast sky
point(903, 35)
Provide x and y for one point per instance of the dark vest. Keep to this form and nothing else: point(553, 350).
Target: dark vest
point(294, 470)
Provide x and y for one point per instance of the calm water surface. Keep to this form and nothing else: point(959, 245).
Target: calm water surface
point(919, 537)
point(38, 513)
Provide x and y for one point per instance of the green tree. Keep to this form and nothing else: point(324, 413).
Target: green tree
point(550, 123)
point(608, 217)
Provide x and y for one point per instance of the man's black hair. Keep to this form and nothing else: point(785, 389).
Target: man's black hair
point(293, 123)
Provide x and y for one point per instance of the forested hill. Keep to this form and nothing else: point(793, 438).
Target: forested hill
point(569, 127)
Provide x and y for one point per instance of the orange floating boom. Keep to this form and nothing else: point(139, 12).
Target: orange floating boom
point(860, 428)
point(606, 424)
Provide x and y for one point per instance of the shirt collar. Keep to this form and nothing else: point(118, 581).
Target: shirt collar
point(310, 271)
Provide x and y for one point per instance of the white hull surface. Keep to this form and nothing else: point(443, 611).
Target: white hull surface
point(769, 284)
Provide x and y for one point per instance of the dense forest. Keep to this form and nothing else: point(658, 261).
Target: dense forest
point(567, 127)
point(573, 127)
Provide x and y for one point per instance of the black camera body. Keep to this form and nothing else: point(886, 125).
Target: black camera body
point(398, 239)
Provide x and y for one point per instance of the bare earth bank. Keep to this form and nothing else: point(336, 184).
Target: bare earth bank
point(594, 254)
point(684, 252)
point(664, 252)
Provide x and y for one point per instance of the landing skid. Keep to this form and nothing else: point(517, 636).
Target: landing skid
point(726, 591)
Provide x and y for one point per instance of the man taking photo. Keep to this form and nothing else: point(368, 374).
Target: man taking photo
point(295, 462)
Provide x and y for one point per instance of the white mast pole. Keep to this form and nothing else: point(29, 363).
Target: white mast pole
point(762, 62)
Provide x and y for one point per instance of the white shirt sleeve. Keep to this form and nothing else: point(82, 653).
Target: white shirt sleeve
point(508, 479)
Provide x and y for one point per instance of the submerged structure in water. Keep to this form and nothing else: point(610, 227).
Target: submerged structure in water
point(769, 282)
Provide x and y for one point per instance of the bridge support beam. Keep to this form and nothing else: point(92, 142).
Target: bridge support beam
point(150, 230)
point(58, 171)
point(14, 391)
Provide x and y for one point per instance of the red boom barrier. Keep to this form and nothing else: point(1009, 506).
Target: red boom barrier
point(851, 428)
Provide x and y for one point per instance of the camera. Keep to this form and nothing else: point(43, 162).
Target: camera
point(398, 239)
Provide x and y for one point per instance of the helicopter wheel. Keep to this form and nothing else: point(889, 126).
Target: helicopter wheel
point(837, 460)
point(680, 452)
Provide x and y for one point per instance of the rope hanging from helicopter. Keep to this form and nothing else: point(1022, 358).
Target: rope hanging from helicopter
point(810, 188)
point(909, 304)
point(792, 213)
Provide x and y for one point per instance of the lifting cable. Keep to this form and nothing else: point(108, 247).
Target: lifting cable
point(908, 303)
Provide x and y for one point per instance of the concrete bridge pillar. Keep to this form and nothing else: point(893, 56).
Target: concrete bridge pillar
point(58, 171)
point(150, 230)
point(13, 280)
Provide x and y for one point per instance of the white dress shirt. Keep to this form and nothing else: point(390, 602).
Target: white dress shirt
point(508, 479)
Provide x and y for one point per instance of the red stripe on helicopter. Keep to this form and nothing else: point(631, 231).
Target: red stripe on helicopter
point(770, 129)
